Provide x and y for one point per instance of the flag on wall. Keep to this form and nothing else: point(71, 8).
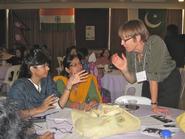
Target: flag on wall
point(57, 19)
point(154, 19)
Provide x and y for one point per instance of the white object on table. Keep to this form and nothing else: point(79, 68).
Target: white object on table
point(126, 98)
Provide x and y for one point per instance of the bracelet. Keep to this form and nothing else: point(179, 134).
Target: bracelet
point(59, 104)
point(154, 103)
point(67, 89)
point(30, 116)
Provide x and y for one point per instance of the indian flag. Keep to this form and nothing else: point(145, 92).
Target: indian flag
point(57, 19)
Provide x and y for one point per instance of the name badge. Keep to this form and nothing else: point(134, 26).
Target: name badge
point(141, 76)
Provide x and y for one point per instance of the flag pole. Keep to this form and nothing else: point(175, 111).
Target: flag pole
point(7, 28)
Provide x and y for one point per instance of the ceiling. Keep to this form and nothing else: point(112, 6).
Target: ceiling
point(36, 4)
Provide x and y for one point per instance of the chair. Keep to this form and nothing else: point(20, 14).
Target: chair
point(133, 89)
point(182, 93)
point(11, 75)
point(140, 100)
point(60, 63)
point(2, 98)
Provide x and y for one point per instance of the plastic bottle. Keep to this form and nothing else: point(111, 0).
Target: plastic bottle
point(166, 134)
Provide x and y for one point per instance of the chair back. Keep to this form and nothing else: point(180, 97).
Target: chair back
point(2, 98)
point(60, 60)
point(182, 93)
point(133, 89)
point(140, 100)
point(60, 63)
point(12, 75)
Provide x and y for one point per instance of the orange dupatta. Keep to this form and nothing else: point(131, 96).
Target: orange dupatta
point(81, 93)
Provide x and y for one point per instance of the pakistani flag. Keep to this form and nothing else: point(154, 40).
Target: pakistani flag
point(154, 19)
point(57, 19)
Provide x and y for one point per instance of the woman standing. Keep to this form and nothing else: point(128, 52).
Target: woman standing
point(147, 60)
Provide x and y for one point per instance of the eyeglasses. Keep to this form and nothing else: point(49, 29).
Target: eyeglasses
point(75, 64)
point(42, 66)
point(125, 40)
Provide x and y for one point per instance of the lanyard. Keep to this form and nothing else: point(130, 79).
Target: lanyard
point(144, 62)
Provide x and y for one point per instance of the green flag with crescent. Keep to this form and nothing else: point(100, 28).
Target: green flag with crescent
point(154, 20)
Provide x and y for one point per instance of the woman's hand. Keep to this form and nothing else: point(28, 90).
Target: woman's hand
point(48, 103)
point(75, 105)
point(120, 63)
point(89, 106)
point(77, 78)
point(158, 109)
point(46, 135)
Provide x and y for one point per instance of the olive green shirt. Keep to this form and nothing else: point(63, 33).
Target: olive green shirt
point(156, 60)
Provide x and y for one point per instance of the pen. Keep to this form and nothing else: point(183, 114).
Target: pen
point(37, 125)
point(51, 113)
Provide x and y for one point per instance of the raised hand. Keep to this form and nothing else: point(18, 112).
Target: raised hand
point(48, 103)
point(120, 63)
point(75, 105)
point(78, 77)
point(90, 105)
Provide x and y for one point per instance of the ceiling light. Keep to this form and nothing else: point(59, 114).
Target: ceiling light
point(180, 0)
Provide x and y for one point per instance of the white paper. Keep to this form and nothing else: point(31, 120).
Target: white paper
point(59, 123)
point(150, 120)
point(141, 76)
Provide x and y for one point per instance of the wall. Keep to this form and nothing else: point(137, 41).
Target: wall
point(3, 27)
point(97, 18)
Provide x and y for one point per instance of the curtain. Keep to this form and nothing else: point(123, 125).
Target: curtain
point(174, 16)
point(118, 17)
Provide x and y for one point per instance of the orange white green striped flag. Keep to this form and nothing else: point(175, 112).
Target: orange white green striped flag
point(57, 19)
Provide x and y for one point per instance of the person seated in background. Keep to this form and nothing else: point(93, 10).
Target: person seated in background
point(13, 127)
point(84, 95)
point(4, 55)
point(175, 44)
point(104, 58)
point(72, 50)
point(18, 57)
point(35, 92)
point(84, 55)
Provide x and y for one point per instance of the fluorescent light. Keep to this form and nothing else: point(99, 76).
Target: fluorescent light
point(148, 0)
point(180, 0)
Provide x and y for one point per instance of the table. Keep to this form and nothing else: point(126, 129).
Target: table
point(142, 111)
point(115, 83)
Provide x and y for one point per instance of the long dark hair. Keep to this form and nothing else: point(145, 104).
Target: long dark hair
point(67, 62)
point(34, 58)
